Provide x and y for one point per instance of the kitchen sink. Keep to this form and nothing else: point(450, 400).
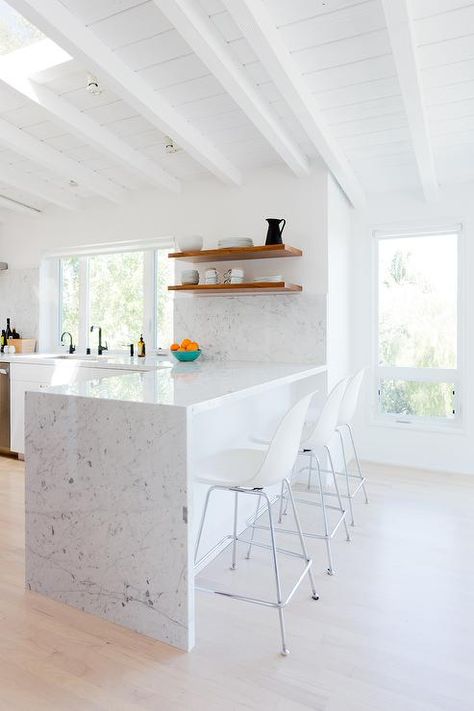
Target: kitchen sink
point(78, 356)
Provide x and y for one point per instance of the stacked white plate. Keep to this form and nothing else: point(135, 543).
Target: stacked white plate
point(235, 242)
point(273, 277)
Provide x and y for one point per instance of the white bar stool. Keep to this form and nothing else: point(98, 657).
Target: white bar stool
point(249, 472)
point(318, 437)
point(346, 415)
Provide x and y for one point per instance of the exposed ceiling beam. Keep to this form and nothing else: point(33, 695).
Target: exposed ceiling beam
point(39, 152)
point(14, 75)
point(198, 31)
point(63, 27)
point(16, 70)
point(37, 188)
point(402, 40)
point(17, 206)
point(259, 30)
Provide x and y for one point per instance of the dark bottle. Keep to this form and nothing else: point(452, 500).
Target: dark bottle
point(141, 351)
point(15, 335)
point(8, 331)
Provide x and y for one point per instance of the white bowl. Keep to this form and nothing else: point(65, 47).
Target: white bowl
point(190, 276)
point(190, 243)
point(189, 282)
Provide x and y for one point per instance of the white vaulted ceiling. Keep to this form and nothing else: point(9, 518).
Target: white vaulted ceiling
point(381, 90)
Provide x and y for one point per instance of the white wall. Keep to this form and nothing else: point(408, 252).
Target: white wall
point(262, 327)
point(413, 447)
point(340, 287)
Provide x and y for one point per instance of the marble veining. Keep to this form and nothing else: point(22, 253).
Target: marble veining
point(269, 328)
point(110, 497)
point(107, 511)
point(199, 386)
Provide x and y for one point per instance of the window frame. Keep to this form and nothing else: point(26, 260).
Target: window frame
point(51, 296)
point(432, 375)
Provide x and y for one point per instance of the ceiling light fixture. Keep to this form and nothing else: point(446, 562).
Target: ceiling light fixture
point(170, 145)
point(93, 86)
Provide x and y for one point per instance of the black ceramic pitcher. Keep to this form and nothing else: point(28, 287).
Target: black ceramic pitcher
point(274, 232)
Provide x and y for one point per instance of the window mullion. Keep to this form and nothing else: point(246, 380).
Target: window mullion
point(84, 301)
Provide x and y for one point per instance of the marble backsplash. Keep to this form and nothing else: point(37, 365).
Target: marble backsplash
point(273, 328)
point(19, 300)
point(288, 328)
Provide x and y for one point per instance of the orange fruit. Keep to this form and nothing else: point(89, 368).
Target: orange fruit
point(181, 349)
point(174, 347)
point(185, 342)
point(192, 347)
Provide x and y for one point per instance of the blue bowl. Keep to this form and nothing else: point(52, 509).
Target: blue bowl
point(186, 356)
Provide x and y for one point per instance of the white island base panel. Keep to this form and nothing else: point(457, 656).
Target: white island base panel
point(110, 484)
point(106, 512)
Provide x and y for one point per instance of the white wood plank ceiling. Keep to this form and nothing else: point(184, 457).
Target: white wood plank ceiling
point(380, 90)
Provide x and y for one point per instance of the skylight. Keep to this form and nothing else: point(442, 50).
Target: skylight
point(15, 31)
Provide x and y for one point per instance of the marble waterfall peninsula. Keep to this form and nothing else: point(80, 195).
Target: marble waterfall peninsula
point(110, 496)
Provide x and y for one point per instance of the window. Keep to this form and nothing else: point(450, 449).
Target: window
point(15, 31)
point(418, 327)
point(116, 298)
point(124, 291)
point(69, 296)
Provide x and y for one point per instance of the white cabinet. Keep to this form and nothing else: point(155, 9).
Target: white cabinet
point(26, 377)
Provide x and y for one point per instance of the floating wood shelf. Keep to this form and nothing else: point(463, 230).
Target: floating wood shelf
point(251, 287)
point(271, 251)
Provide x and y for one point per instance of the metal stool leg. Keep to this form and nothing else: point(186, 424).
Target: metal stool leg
point(284, 648)
point(282, 502)
point(284, 510)
point(234, 542)
point(338, 494)
point(310, 472)
point(327, 537)
point(301, 537)
point(252, 535)
point(201, 525)
point(348, 485)
point(359, 470)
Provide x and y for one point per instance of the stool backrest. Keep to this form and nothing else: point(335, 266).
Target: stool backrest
point(327, 421)
point(350, 399)
point(283, 449)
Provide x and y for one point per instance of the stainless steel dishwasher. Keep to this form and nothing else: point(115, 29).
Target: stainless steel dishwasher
point(5, 407)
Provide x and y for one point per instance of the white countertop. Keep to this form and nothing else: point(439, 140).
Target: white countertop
point(198, 386)
point(114, 361)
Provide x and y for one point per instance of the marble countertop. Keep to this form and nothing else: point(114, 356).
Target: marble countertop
point(197, 386)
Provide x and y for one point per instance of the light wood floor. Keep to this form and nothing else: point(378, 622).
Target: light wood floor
point(393, 631)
